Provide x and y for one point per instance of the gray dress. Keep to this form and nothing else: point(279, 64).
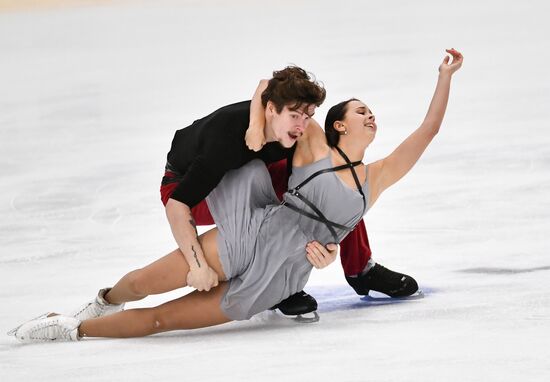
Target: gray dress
point(262, 243)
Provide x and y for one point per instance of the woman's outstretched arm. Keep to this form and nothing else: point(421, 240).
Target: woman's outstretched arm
point(389, 170)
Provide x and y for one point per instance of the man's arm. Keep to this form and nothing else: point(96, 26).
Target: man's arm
point(201, 276)
point(197, 183)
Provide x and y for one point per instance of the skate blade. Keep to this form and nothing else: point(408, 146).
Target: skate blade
point(418, 294)
point(14, 330)
point(307, 320)
point(383, 297)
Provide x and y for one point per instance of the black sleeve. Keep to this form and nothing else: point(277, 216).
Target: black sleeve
point(273, 152)
point(219, 141)
point(289, 158)
point(202, 176)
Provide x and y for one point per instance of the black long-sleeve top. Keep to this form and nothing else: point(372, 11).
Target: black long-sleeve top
point(204, 151)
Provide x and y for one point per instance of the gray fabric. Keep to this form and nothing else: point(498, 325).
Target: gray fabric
point(262, 243)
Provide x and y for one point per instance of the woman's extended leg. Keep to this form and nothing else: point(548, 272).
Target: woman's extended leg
point(165, 274)
point(195, 310)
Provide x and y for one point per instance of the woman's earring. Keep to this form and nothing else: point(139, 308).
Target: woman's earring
point(345, 132)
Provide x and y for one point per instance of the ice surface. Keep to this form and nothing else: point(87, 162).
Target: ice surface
point(91, 95)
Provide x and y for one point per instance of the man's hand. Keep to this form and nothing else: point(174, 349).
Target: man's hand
point(202, 279)
point(320, 256)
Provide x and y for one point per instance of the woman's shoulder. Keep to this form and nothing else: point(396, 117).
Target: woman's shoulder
point(314, 131)
point(312, 146)
point(316, 139)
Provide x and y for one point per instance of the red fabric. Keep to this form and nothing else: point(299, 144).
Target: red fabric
point(354, 249)
point(201, 213)
point(279, 177)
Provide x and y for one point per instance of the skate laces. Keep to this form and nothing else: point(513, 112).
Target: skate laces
point(50, 330)
point(93, 307)
point(97, 308)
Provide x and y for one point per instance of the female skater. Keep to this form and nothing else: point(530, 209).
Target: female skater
point(257, 247)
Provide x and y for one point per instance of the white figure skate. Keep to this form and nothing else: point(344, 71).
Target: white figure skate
point(98, 307)
point(48, 329)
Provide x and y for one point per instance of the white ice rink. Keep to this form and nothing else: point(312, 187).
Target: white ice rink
point(91, 94)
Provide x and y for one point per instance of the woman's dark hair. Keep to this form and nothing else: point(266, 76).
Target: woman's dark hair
point(335, 113)
point(294, 87)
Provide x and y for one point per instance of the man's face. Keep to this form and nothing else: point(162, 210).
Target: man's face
point(289, 125)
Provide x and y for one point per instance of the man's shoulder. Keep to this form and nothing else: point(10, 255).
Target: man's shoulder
point(227, 121)
point(239, 108)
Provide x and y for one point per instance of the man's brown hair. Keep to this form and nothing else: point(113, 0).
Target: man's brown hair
point(293, 87)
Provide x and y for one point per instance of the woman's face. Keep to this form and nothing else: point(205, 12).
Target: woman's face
point(360, 122)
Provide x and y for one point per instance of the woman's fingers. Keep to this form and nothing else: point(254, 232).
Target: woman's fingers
point(451, 66)
point(332, 247)
point(457, 56)
point(318, 257)
point(313, 260)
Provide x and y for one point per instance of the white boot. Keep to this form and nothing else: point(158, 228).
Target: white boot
point(98, 307)
point(47, 329)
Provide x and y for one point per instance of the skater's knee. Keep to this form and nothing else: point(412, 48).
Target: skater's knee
point(138, 284)
point(156, 323)
point(161, 322)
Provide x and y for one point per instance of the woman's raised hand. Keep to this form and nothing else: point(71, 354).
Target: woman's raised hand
point(456, 63)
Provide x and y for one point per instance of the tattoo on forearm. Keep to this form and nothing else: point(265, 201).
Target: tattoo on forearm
point(196, 257)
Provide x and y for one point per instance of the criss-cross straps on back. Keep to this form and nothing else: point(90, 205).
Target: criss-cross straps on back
point(317, 214)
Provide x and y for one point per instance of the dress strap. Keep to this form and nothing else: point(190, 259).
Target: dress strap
point(325, 170)
point(318, 214)
point(355, 178)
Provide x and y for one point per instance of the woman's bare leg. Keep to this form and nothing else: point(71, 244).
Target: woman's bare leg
point(195, 310)
point(165, 274)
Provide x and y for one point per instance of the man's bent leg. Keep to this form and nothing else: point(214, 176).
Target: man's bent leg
point(201, 213)
point(355, 251)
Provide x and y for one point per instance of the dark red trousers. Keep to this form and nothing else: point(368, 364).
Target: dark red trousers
point(354, 249)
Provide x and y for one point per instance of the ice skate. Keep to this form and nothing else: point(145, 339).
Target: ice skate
point(381, 279)
point(47, 329)
point(98, 307)
point(14, 330)
point(298, 305)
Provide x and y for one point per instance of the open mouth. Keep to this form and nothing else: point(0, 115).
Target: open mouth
point(294, 136)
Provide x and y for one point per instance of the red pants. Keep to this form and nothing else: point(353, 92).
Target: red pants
point(354, 249)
